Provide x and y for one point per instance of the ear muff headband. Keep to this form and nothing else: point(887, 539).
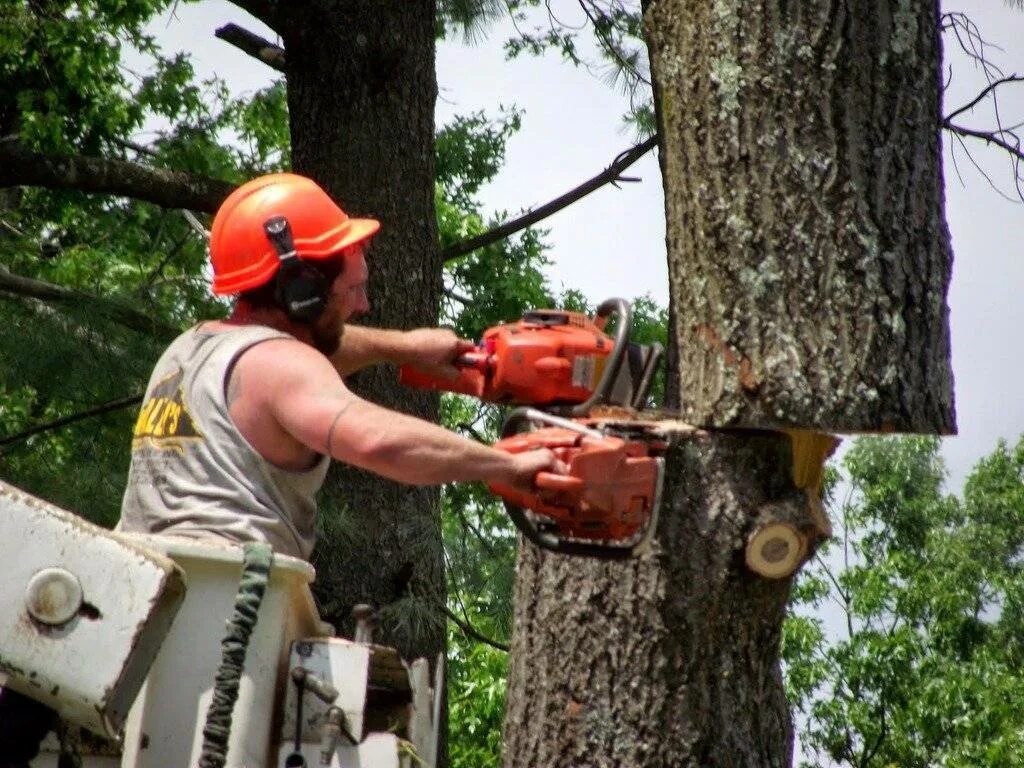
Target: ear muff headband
point(299, 288)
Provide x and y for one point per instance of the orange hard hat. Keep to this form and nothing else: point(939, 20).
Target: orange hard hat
point(240, 252)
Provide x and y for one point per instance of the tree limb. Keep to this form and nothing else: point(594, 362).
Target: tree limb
point(254, 45)
point(470, 631)
point(99, 410)
point(130, 318)
point(22, 167)
point(991, 137)
point(981, 96)
point(612, 173)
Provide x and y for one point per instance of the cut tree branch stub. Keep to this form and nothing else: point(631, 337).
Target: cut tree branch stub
point(254, 45)
point(264, 10)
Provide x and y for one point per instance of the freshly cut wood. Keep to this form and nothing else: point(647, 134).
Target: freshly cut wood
point(775, 550)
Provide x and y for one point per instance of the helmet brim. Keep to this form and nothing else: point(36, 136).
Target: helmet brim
point(330, 244)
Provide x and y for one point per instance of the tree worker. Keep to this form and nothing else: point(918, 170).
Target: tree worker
point(241, 416)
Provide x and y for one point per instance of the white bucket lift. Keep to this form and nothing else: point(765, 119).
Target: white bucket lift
point(351, 704)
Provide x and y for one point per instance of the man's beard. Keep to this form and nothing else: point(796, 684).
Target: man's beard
point(327, 336)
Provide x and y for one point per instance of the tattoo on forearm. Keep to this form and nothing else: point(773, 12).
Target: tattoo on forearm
point(337, 418)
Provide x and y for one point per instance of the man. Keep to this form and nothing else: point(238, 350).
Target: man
point(241, 416)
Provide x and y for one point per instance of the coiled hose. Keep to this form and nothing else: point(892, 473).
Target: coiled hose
point(257, 560)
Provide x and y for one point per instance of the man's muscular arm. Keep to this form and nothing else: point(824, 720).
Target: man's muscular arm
point(432, 349)
point(309, 401)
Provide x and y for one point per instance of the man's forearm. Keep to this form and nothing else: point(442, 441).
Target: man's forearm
point(362, 346)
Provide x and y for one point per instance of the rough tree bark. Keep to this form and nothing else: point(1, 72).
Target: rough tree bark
point(809, 262)
point(361, 92)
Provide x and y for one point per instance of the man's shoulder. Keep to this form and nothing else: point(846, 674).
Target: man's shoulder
point(277, 357)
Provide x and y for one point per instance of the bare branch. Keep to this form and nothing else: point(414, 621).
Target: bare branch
point(979, 169)
point(981, 96)
point(990, 137)
point(465, 300)
point(20, 167)
point(254, 45)
point(99, 410)
point(611, 174)
point(126, 316)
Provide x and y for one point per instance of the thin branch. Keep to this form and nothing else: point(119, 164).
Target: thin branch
point(990, 137)
point(130, 318)
point(134, 147)
point(10, 227)
point(470, 631)
point(612, 173)
point(254, 45)
point(457, 296)
point(464, 427)
point(868, 754)
point(99, 410)
point(21, 166)
point(981, 96)
point(609, 45)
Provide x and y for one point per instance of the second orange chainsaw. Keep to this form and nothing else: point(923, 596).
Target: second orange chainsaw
point(553, 359)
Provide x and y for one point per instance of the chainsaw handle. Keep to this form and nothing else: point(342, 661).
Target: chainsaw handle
point(607, 308)
point(552, 543)
point(549, 481)
point(477, 359)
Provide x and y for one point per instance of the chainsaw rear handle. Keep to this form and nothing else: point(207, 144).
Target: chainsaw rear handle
point(551, 543)
point(515, 423)
point(479, 360)
point(613, 363)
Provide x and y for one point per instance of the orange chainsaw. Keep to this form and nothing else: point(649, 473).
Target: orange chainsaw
point(605, 507)
point(558, 360)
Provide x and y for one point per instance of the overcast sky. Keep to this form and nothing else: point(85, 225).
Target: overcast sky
point(612, 242)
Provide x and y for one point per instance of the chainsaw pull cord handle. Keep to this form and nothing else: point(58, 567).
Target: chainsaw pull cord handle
point(613, 364)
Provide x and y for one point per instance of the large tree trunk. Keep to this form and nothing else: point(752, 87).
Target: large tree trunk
point(361, 91)
point(809, 262)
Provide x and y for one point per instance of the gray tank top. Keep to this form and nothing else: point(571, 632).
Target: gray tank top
point(194, 474)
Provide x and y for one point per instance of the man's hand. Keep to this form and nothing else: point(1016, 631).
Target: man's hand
point(526, 465)
point(433, 351)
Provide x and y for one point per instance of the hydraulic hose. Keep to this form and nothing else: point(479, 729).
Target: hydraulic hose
point(257, 560)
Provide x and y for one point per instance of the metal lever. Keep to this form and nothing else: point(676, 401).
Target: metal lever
point(335, 726)
point(305, 680)
point(323, 690)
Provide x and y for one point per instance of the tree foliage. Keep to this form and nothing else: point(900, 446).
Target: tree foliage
point(913, 654)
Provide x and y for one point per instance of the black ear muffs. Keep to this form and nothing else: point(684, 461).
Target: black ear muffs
point(300, 289)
